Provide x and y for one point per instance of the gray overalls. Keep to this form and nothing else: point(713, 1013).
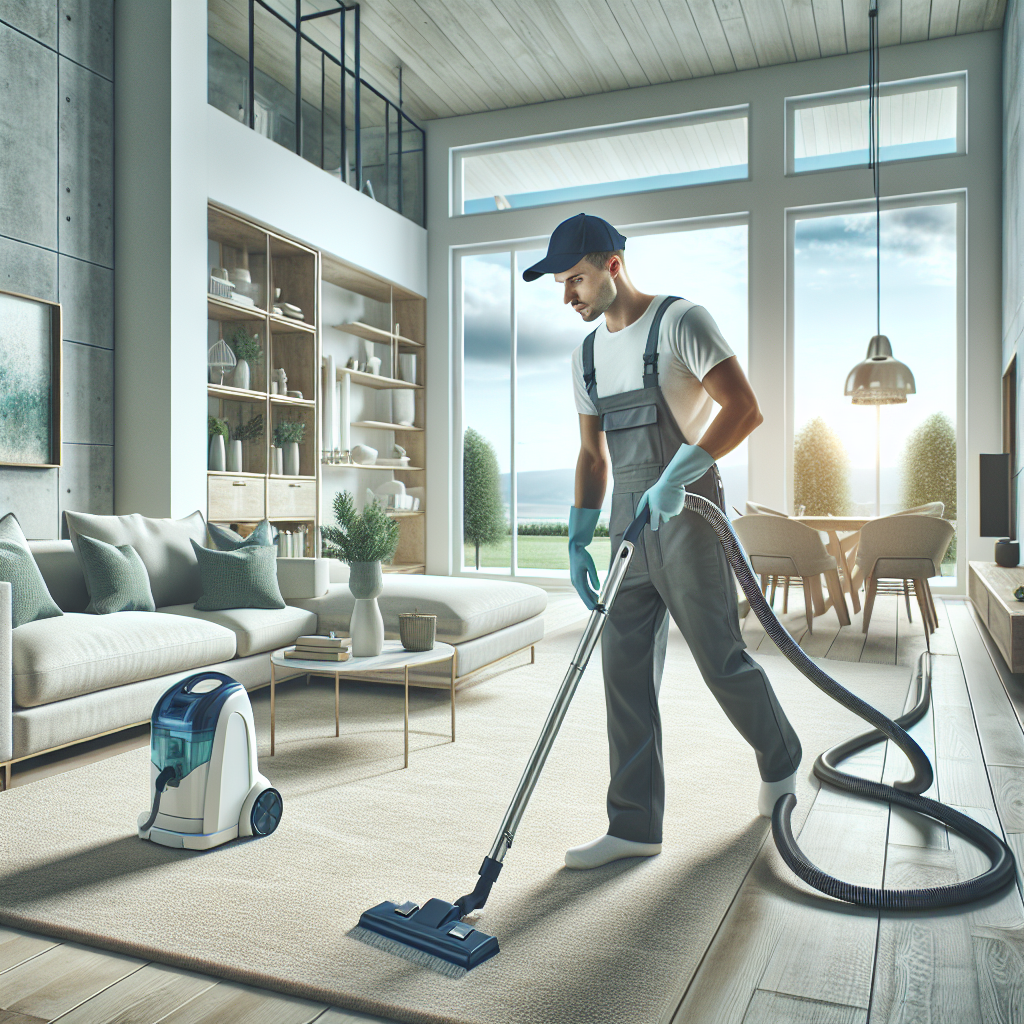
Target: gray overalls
point(681, 570)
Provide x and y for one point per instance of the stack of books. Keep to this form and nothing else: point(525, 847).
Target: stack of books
point(320, 648)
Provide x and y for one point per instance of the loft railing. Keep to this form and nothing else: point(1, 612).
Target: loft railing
point(323, 109)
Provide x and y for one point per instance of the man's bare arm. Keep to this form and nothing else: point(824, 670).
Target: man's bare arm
point(739, 415)
point(592, 465)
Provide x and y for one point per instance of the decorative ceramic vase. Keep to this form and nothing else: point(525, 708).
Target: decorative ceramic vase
point(373, 366)
point(407, 367)
point(366, 582)
point(235, 457)
point(403, 406)
point(277, 461)
point(217, 455)
point(242, 376)
point(291, 458)
point(364, 455)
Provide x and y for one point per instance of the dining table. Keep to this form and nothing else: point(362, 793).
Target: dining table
point(843, 538)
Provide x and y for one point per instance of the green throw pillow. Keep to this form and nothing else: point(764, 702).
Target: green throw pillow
point(246, 578)
point(116, 577)
point(30, 600)
point(228, 540)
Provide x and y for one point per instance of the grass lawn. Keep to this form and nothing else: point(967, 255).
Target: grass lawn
point(536, 553)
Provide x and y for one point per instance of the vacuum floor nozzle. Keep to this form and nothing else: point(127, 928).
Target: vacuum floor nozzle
point(434, 928)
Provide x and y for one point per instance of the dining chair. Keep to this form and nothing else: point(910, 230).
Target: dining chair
point(904, 547)
point(778, 546)
point(755, 508)
point(930, 508)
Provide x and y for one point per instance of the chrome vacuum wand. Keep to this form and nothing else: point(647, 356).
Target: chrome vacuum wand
point(591, 634)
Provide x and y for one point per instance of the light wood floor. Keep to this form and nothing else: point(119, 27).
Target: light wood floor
point(782, 952)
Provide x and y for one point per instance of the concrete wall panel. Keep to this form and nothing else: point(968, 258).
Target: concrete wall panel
point(27, 269)
point(87, 479)
point(37, 18)
point(86, 193)
point(31, 494)
point(88, 394)
point(28, 140)
point(87, 298)
point(86, 29)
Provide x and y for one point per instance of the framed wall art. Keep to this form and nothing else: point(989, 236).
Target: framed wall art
point(30, 381)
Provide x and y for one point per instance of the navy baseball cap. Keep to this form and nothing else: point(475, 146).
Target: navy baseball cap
point(572, 240)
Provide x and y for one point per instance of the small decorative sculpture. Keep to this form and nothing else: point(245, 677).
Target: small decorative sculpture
point(282, 381)
point(220, 359)
point(1019, 593)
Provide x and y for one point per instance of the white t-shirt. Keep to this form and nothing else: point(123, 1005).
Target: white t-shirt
point(689, 345)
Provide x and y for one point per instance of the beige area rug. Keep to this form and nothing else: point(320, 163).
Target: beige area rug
point(617, 944)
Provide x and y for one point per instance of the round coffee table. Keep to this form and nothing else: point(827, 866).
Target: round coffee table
point(394, 657)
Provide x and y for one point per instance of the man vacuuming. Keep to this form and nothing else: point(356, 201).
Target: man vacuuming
point(644, 381)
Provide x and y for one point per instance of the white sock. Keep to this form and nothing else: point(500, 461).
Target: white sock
point(771, 791)
point(605, 850)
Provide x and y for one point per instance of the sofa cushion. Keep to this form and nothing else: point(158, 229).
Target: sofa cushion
point(244, 578)
point(255, 629)
point(117, 579)
point(163, 545)
point(75, 654)
point(62, 572)
point(227, 539)
point(30, 600)
point(464, 608)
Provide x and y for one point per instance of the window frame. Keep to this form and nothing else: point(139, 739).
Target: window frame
point(895, 88)
point(458, 154)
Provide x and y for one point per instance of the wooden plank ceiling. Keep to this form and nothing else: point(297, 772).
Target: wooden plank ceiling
point(466, 56)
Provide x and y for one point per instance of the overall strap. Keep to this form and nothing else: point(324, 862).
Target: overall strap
point(589, 377)
point(651, 352)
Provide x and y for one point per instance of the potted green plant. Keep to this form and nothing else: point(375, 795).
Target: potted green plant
point(364, 540)
point(289, 434)
point(248, 351)
point(252, 430)
point(218, 431)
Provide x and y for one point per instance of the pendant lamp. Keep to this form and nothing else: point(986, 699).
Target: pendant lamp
point(880, 379)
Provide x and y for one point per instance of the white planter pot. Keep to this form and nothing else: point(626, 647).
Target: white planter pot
point(291, 458)
point(367, 625)
point(403, 406)
point(241, 378)
point(217, 453)
point(407, 367)
point(277, 461)
point(235, 457)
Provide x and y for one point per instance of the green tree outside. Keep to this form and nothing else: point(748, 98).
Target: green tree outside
point(821, 471)
point(929, 469)
point(483, 516)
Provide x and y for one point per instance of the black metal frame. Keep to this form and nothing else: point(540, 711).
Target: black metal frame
point(359, 84)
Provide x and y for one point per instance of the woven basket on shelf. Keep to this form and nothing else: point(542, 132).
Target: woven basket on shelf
point(417, 631)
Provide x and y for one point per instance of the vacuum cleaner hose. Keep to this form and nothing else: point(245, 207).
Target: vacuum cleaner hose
point(161, 784)
point(904, 793)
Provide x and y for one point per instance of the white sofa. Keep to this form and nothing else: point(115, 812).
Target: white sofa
point(77, 676)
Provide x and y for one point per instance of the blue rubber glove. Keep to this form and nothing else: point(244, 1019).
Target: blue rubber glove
point(666, 497)
point(582, 522)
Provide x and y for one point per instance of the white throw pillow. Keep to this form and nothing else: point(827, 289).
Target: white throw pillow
point(164, 545)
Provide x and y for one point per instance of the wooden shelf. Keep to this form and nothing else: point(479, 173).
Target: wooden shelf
point(381, 425)
point(356, 465)
point(237, 394)
point(404, 568)
point(224, 309)
point(403, 513)
point(285, 324)
point(222, 472)
point(372, 380)
point(370, 333)
point(281, 476)
point(307, 403)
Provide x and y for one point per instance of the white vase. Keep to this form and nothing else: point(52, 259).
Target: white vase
point(217, 456)
point(235, 457)
point(241, 377)
point(366, 583)
point(291, 458)
point(403, 406)
point(277, 461)
point(407, 367)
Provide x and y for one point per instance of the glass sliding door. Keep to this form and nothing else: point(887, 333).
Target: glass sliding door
point(538, 446)
point(834, 287)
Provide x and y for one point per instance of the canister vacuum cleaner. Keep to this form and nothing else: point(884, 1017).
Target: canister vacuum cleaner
point(205, 784)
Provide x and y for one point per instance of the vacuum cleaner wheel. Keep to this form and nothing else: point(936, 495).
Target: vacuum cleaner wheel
point(266, 812)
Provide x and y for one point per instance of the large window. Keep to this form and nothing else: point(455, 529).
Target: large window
point(834, 284)
point(640, 157)
point(518, 341)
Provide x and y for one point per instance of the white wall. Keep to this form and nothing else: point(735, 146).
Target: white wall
point(765, 198)
point(173, 153)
